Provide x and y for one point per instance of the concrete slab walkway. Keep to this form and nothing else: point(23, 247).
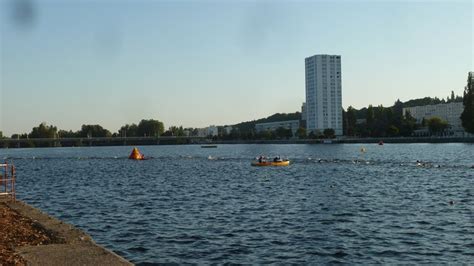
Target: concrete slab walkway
point(75, 248)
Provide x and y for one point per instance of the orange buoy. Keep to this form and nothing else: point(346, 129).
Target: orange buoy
point(136, 155)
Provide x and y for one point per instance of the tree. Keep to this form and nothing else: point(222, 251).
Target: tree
point(19, 136)
point(167, 133)
point(312, 135)
point(381, 122)
point(43, 131)
point(329, 133)
point(301, 133)
point(93, 131)
point(437, 125)
point(128, 131)
point(267, 134)
point(67, 134)
point(176, 131)
point(1, 134)
point(422, 102)
point(408, 124)
point(248, 135)
point(180, 131)
point(467, 116)
point(396, 117)
point(151, 128)
point(351, 121)
point(370, 117)
point(393, 131)
point(234, 133)
point(283, 133)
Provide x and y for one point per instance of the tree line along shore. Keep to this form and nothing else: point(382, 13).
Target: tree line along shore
point(378, 122)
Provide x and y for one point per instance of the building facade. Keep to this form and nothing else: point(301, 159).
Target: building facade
point(451, 112)
point(210, 131)
point(272, 126)
point(323, 93)
point(227, 130)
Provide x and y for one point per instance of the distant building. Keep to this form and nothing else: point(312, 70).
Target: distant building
point(451, 112)
point(323, 93)
point(202, 132)
point(207, 131)
point(212, 131)
point(272, 126)
point(228, 130)
point(187, 132)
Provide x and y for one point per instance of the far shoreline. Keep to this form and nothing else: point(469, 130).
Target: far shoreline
point(147, 141)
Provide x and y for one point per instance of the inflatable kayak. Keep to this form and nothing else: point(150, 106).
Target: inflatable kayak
point(282, 163)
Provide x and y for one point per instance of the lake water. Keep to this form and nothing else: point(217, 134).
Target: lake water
point(333, 204)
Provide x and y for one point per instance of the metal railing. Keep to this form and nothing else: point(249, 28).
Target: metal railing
point(7, 181)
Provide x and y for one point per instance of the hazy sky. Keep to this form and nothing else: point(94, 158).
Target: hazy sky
point(197, 63)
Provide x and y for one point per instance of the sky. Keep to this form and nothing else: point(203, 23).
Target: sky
point(200, 63)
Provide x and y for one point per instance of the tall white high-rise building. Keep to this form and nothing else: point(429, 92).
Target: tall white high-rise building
point(323, 93)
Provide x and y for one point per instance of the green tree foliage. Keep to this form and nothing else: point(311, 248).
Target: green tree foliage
point(397, 110)
point(1, 134)
point(423, 101)
point(437, 125)
point(393, 131)
point(235, 133)
point(43, 131)
point(301, 133)
point(19, 136)
point(176, 131)
point(249, 135)
point(150, 128)
point(370, 118)
point(67, 134)
point(167, 133)
point(283, 133)
point(432, 101)
point(329, 133)
point(454, 98)
point(93, 131)
point(267, 134)
point(312, 135)
point(128, 131)
point(467, 116)
point(351, 120)
point(379, 121)
point(408, 125)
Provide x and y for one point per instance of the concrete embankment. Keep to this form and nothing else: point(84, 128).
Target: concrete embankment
point(73, 248)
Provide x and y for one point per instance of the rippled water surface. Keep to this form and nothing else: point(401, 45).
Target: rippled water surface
point(193, 205)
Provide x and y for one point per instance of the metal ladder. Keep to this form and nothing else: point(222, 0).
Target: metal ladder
point(7, 181)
